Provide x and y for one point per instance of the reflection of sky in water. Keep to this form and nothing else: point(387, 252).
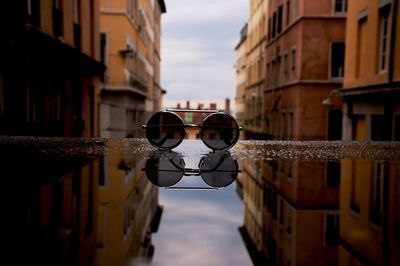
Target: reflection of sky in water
point(197, 226)
point(200, 226)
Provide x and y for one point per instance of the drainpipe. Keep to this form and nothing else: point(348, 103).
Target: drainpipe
point(395, 4)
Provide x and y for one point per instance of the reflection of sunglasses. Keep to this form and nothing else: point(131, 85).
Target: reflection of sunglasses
point(216, 169)
point(166, 130)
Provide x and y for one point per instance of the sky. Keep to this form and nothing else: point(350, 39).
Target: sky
point(198, 50)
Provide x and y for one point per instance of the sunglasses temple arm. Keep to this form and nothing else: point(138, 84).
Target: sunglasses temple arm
point(193, 188)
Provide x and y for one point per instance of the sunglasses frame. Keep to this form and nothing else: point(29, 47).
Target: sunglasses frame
point(183, 136)
point(197, 172)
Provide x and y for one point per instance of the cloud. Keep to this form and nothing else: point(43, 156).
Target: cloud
point(205, 11)
point(198, 228)
point(198, 49)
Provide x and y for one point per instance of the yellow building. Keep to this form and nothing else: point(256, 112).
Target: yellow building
point(369, 212)
point(131, 91)
point(241, 73)
point(128, 210)
point(130, 47)
point(255, 67)
point(372, 71)
point(369, 193)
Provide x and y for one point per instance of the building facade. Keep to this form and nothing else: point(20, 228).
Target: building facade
point(49, 68)
point(130, 47)
point(305, 61)
point(254, 125)
point(50, 86)
point(241, 56)
point(369, 198)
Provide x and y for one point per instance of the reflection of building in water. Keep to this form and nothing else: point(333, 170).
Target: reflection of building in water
point(291, 212)
point(49, 214)
point(128, 210)
point(49, 86)
point(130, 47)
point(369, 211)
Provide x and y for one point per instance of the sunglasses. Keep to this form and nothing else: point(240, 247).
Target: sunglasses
point(216, 169)
point(165, 130)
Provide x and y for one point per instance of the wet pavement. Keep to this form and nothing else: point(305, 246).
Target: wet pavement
point(75, 201)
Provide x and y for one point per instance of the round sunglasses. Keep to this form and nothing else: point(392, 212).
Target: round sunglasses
point(166, 129)
point(216, 169)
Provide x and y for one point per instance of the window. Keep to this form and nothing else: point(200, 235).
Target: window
point(332, 174)
point(278, 71)
point(285, 66)
point(335, 124)
point(267, 77)
point(103, 47)
point(288, 220)
point(383, 38)
point(381, 128)
point(283, 120)
point(290, 125)
point(280, 18)
point(340, 6)
point(295, 8)
point(331, 230)
point(58, 30)
point(281, 212)
point(337, 60)
point(274, 205)
point(76, 10)
point(269, 28)
point(131, 9)
point(102, 172)
point(362, 52)
point(287, 13)
point(293, 64)
point(274, 25)
point(396, 125)
point(376, 205)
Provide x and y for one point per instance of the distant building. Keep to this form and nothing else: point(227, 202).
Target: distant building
point(254, 126)
point(130, 47)
point(370, 191)
point(190, 115)
point(240, 99)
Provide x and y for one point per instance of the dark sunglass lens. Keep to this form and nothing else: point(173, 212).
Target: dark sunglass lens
point(219, 131)
point(218, 171)
point(165, 130)
point(164, 172)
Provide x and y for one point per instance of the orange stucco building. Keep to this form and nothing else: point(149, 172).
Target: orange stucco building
point(369, 193)
point(130, 48)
